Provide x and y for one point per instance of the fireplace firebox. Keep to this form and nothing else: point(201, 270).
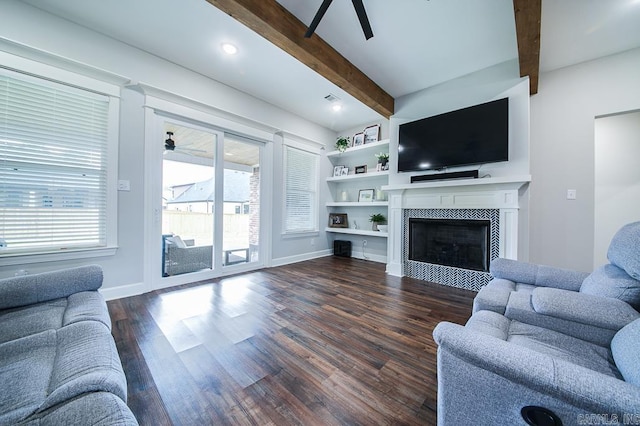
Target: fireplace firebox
point(458, 243)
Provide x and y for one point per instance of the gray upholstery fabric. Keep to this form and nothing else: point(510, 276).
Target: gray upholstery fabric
point(623, 250)
point(538, 275)
point(625, 348)
point(494, 296)
point(30, 289)
point(25, 369)
point(521, 309)
point(96, 409)
point(49, 368)
point(483, 380)
point(51, 315)
point(583, 308)
point(611, 281)
point(558, 345)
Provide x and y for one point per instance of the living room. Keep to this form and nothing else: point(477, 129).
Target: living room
point(556, 137)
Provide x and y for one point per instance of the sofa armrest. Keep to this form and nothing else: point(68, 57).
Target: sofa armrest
point(599, 311)
point(572, 384)
point(30, 289)
point(538, 275)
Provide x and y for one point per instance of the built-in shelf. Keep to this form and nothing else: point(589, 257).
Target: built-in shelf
point(357, 204)
point(358, 232)
point(368, 175)
point(489, 181)
point(359, 150)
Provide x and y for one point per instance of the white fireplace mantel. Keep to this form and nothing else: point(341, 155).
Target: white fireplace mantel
point(500, 193)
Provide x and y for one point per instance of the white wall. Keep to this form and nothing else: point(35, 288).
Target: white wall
point(29, 26)
point(562, 153)
point(617, 178)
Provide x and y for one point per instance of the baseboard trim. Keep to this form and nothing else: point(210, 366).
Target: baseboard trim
point(371, 257)
point(300, 258)
point(112, 293)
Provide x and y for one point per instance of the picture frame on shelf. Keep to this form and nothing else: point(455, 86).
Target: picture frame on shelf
point(358, 139)
point(372, 134)
point(337, 170)
point(365, 195)
point(338, 220)
point(360, 169)
point(345, 171)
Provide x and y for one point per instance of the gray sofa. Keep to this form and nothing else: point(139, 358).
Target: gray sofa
point(58, 361)
point(550, 345)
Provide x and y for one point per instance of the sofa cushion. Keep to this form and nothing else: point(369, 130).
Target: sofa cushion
point(623, 249)
point(19, 322)
point(37, 288)
point(537, 275)
point(25, 370)
point(625, 348)
point(542, 340)
point(611, 281)
point(97, 409)
point(43, 370)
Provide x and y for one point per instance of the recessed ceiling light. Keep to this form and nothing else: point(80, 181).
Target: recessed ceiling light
point(229, 48)
point(336, 107)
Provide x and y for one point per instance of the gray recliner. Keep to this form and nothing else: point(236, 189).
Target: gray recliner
point(594, 305)
point(548, 345)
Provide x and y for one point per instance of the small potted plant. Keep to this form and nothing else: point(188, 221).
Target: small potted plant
point(342, 143)
point(377, 219)
point(383, 159)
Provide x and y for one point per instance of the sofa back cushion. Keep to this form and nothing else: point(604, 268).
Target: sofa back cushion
point(625, 348)
point(611, 281)
point(623, 249)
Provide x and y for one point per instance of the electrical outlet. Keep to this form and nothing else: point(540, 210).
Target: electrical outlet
point(364, 243)
point(572, 194)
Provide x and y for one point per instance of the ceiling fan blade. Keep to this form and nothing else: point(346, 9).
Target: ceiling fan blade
point(364, 20)
point(316, 19)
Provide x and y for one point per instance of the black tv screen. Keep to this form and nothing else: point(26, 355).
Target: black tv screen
point(475, 135)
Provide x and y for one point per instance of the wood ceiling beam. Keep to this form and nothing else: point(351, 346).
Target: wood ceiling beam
point(276, 24)
point(528, 15)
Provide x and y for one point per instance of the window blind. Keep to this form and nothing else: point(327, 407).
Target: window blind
point(53, 166)
point(301, 190)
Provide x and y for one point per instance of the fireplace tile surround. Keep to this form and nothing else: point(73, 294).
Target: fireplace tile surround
point(493, 199)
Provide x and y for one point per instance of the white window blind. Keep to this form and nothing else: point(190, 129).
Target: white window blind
point(301, 190)
point(53, 166)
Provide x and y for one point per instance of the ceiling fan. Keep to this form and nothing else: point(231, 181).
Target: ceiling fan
point(357, 5)
point(170, 145)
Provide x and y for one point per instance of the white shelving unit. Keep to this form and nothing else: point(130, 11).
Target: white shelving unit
point(352, 183)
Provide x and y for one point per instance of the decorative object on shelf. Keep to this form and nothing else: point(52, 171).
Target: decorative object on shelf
point(358, 139)
point(372, 134)
point(361, 169)
point(383, 161)
point(343, 143)
point(344, 196)
point(383, 228)
point(365, 195)
point(377, 219)
point(338, 220)
point(345, 171)
point(337, 170)
point(381, 195)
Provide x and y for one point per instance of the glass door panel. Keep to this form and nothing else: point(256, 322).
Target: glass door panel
point(188, 194)
point(241, 217)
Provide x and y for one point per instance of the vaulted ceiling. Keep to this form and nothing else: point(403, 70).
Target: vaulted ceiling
point(417, 44)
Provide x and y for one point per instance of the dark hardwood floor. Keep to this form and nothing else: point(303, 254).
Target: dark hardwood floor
point(328, 341)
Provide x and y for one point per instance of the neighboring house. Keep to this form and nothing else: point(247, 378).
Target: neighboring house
point(200, 196)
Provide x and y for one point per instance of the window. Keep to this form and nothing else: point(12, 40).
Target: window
point(301, 190)
point(55, 159)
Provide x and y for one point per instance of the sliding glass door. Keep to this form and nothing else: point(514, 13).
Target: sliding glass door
point(210, 215)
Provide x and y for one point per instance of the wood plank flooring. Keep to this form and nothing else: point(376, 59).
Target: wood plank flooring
point(331, 341)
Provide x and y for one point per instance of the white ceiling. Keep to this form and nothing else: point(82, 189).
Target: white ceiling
point(416, 43)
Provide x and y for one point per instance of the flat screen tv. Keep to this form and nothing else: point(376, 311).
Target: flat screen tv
point(475, 135)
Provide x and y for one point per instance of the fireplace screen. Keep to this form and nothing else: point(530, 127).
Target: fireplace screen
point(458, 243)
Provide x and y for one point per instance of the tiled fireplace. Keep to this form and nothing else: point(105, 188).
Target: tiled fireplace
point(447, 232)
